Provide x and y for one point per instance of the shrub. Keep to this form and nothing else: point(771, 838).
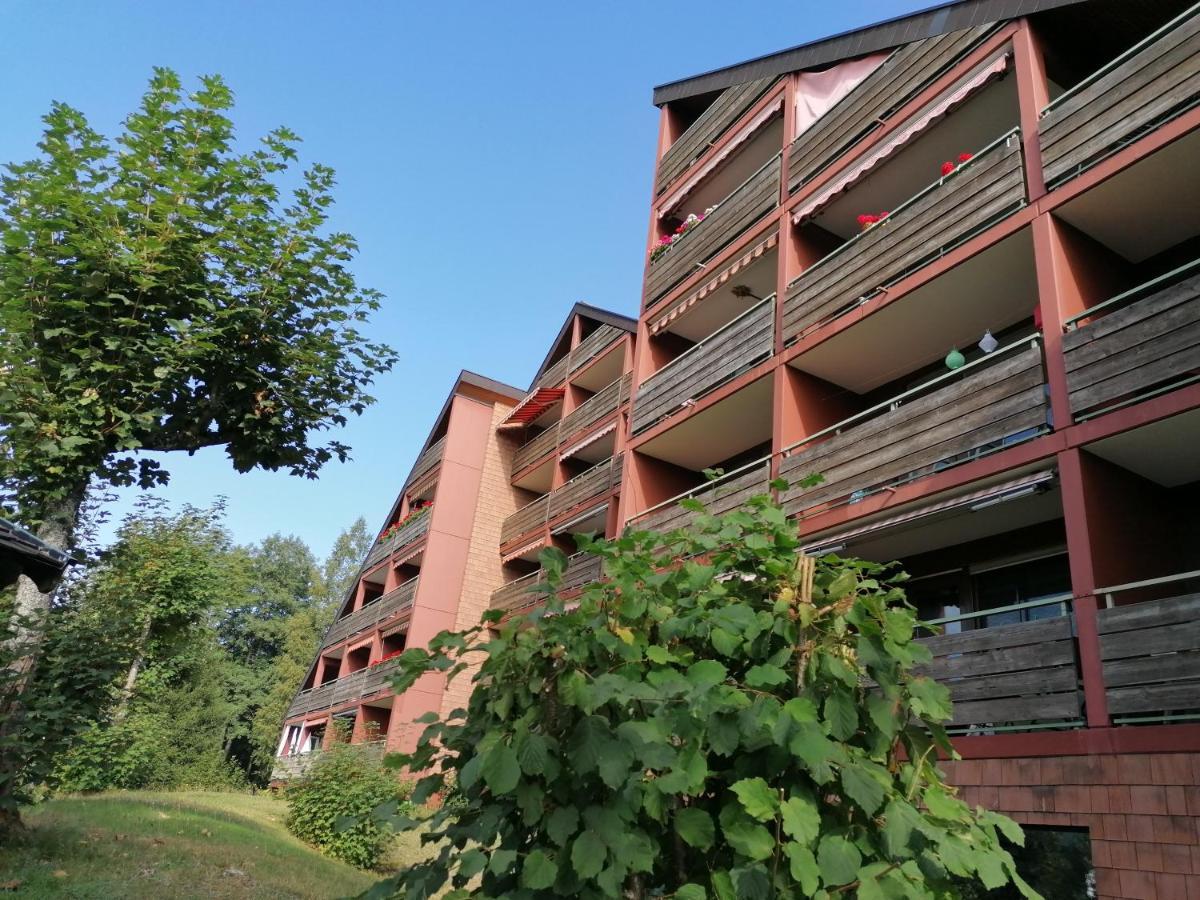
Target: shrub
point(333, 807)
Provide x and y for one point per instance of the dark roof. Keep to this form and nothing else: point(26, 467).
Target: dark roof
point(927, 23)
point(607, 317)
point(23, 554)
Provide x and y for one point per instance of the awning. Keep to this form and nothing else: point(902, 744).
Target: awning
point(594, 511)
point(751, 256)
point(588, 441)
point(996, 493)
point(932, 113)
point(536, 545)
point(702, 172)
point(533, 406)
point(411, 555)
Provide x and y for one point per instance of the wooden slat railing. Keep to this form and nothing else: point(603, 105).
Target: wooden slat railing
point(597, 480)
point(1136, 345)
point(390, 604)
point(944, 215)
point(428, 459)
point(1147, 86)
point(710, 125)
point(582, 569)
point(333, 693)
point(996, 402)
point(535, 449)
point(378, 677)
point(723, 355)
point(1151, 658)
point(600, 405)
point(554, 375)
point(754, 198)
point(875, 100)
point(720, 496)
point(594, 344)
point(525, 519)
point(412, 532)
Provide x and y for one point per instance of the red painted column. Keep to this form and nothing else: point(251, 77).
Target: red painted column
point(1050, 275)
point(1032, 95)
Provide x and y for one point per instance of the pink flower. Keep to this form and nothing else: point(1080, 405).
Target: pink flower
point(963, 157)
point(947, 168)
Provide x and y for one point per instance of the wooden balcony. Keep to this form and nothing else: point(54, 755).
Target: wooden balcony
point(1136, 345)
point(720, 496)
point(944, 215)
point(1151, 659)
point(413, 531)
point(603, 403)
point(1155, 81)
point(875, 100)
point(390, 604)
point(596, 481)
point(582, 569)
point(588, 349)
point(754, 198)
point(987, 406)
point(717, 359)
point(427, 460)
point(710, 125)
point(333, 693)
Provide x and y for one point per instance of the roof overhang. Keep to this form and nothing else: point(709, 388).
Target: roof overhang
point(23, 554)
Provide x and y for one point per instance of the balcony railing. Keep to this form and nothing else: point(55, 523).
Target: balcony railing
point(720, 496)
point(598, 480)
point(427, 460)
point(332, 693)
point(944, 215)
point(582, 569)
point(588, 349)
point(601, 404)
point(1137, 345)
point(390, 604)
point(754, 198)
point(1153, 82)
point(412, 532)
point(296, 765)
point(710, 125)
point(986, 406)
point(717, 359)
point(874, 100)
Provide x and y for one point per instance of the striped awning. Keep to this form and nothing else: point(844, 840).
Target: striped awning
point(588, 441)
point(533, 406)
point(750, 257)
point(536, 545)
point(411, 555)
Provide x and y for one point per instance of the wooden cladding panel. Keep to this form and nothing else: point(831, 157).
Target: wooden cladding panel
point(595, 481)
point(428, 459)
point(555, 374)
point(990, 188)
point(1151, 342)
point(720, 498)
point(536, 448)
point(710, 125)
point(1158, 81)
point(582, 569)
point(720, 357)
point(899, 78)
point(369, 616)
point(409, 534)
point(525, 519)
point(757, 196)
point(594, 344)
point(1151, 656)
point(925, 435)
point(1023, 673)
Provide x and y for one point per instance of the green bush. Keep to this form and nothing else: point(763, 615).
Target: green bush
point(333, 807)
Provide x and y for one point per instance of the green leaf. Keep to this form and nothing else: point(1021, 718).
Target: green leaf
point(724, 642)
point(690, 891)
point(706, 673)
point(757, 798)
point(500, 769)
point(532, 753)
point(838, 860)
point(562, 824)
point(801, 819)
point(765, 676)
point(588, 854)
point(801, 709)
point(862, 787)
point(841, 715)
point(695, 827)
point(900, 819)
point(471, 863)
point(723, 885)
point(751, 882)
point(657, 654)
point(501, 861)
point(749, 838)
point(929, 699)
point(539, 871)
point(803, 867)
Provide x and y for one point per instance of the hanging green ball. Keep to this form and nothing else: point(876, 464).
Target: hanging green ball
point(955, 360)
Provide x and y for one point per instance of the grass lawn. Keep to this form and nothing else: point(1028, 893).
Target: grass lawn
point(142, 844)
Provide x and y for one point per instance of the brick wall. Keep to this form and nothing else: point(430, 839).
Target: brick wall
point(483, 574)
point(1142, 812)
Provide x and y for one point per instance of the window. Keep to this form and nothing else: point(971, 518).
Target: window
point(963, 591)
point(1057, 863)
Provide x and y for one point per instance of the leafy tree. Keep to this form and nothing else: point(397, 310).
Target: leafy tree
point(745, 723)
point(161, 292)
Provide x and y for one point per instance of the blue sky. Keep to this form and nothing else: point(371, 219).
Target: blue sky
point(494, 161)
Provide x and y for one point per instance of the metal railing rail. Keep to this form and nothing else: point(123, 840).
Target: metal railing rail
point(708, 485)
point(1107, 592)
point(1133, 293)
point(706, 341)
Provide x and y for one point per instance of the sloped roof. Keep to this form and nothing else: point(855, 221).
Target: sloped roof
point(21, 553)
point(596, 314)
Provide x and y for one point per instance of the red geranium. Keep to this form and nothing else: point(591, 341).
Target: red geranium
point(964, 157)
point(947, 167)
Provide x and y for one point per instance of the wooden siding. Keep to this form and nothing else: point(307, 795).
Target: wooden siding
point(710, 125)
point(1002, 403)
point(949, 212)
point(874, 100)
point(597, 480)
point(409, 534)
point(1151, 656)
point(1123, 102)
point(720, 357)
point(536, 448)
point(532, 515)
point(719, 497)
point(594, 344)
point(555, 374)
point(1008, 674)
point(387, 606)
point(1130, 351)
point(334, 693)
point(582, 569)
point(603, 403)
point(754, 198)
point(428, 459)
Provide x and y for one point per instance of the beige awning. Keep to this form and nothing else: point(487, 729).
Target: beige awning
point(749, 257)
point(588, 441)
point(536, 545)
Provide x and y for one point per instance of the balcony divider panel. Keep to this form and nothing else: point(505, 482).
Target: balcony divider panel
point(1130, 351)
point(1008, 673)
point(536, 448)
point(718, 358)
point(1123, 101)
point(988, 405)
point(428, 459)
point(944, 215)
point(754, 198)
point(720, 497)
point(899, 78)
point(1151, 656)
point(710, 125)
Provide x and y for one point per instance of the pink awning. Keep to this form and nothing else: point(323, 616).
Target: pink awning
point(410, 555)
point(539, 543)
point(702, 172)
point(922, 120)
point(751, 256)
point(589, 440)
point(818, 92)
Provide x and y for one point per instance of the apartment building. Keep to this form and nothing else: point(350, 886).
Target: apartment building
point(951, 262)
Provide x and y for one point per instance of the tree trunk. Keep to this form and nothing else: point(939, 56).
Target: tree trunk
point(131, 677)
